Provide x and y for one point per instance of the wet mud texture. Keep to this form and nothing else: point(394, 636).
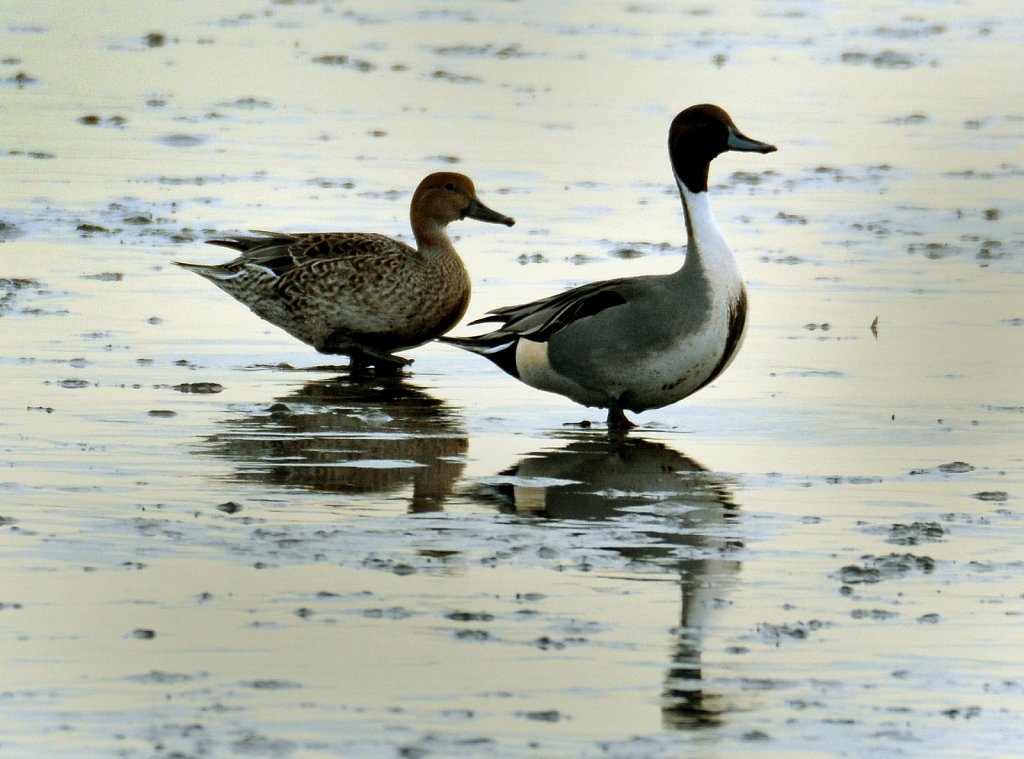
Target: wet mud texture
point(213, 545)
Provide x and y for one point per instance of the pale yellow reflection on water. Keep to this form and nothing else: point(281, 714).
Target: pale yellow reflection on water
point(818, 555)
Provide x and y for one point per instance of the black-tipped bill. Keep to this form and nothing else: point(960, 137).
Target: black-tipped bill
point(739, 141)
point(480, 212)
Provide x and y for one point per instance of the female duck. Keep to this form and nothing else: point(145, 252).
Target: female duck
point(639, 343)
point(360, 294)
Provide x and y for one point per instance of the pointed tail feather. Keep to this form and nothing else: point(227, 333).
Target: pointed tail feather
point(484, 345)
point(260, 240)
point(499, 347)
point(209, 272)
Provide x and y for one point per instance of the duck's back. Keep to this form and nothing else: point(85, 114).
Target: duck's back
point(333, 290)
point(282, 252)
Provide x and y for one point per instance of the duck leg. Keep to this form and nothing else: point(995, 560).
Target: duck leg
point(362, 357)
point(617, 421)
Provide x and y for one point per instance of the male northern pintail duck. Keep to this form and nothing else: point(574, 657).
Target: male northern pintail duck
point(360, 294)
point(639, 343)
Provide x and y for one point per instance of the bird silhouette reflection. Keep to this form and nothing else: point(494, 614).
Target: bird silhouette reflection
point(684, 517)
point(349, 436)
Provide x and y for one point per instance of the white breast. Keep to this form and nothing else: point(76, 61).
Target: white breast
point(640, 380)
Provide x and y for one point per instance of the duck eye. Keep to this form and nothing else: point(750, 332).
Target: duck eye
point(450, 187)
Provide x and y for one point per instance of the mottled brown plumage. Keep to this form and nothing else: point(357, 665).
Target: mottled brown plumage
point(360, 294)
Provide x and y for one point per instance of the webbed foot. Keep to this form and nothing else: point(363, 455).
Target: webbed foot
point(362, 359)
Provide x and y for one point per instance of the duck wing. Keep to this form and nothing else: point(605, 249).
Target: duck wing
point(283, 253)
point(540, 319)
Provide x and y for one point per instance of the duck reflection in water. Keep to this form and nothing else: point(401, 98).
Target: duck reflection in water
point(686, 519)
point(350, 437)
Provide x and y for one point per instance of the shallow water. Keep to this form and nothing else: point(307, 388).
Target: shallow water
point(213, 544)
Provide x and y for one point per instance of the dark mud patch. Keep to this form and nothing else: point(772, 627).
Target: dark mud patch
point(9, 231)
point(547, 715)
point(887, 59)
point(531, 258)
point(41, 155)
point(89, 230)
point(73, 383)
point(635, 249)
point(345, 61)
point(394, 613)
point(449, 76)
point(910, 119)
point(160, 677)
point(21, 79)
point(877, 615)
point(329, 183)
point(202, 388)
point(181, 140)
point(95, 120)
point(993, 496)
point(910, 28)
point(249, 104)
point(271, 684)
point(12, 289)
point(952, 467)
point(489, 50)
point(749, 179)
point(791, 218)
point(874, 569)
point(775, 634)
point(938, 251)
point(786, 260)
point(256, 744)
point(916, 533)
point(133, 218)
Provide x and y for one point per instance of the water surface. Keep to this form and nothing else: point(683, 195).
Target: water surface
point(214, 543)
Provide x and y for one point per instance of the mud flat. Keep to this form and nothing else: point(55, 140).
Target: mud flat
point(213, 543)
